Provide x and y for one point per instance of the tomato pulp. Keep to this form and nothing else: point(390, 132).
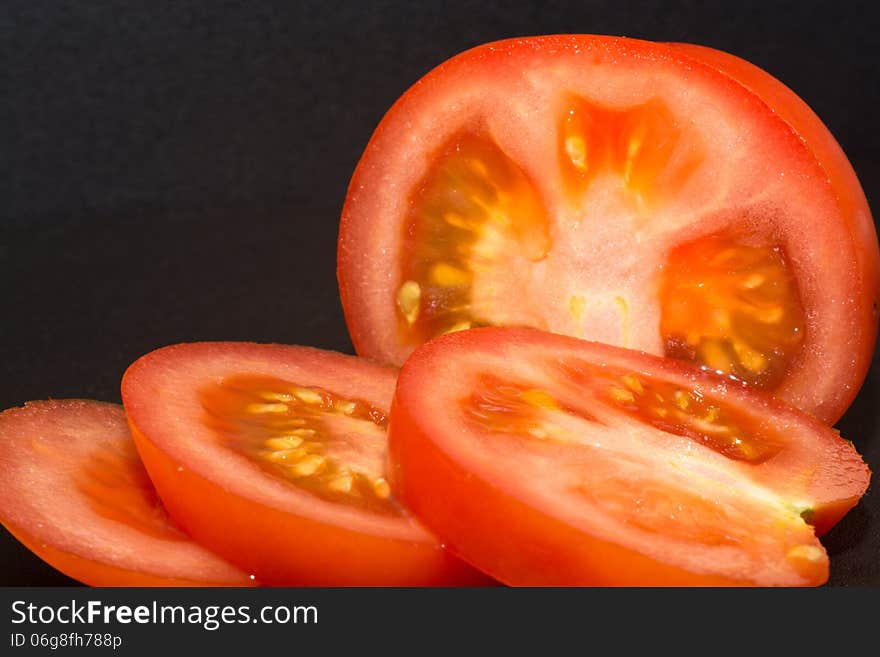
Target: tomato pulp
point(663, 197)
point(547, 460)
point(274, 456)
point(75, 493)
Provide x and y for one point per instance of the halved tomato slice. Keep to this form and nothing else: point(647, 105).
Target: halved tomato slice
point(661, 197)
point(547, 460)
point(274, 456)
point(75, 493)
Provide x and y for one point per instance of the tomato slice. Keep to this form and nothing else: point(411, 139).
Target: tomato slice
point(274, 456)
point(662, 197)
point(76, 494)
point(547, 460)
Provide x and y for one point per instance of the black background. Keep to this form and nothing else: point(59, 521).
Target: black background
point(174, 172)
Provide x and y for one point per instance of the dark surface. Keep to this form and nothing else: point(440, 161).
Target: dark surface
point(174, 171)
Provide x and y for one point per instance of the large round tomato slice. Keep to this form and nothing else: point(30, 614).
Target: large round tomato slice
point(662, 197)
point(274, 456)
point(75, 493)
point(547, 460)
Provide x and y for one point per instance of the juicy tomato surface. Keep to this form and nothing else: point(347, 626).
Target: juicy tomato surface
point(75, 493)
point(274, 456)
point(663, 197)
point(548, 460)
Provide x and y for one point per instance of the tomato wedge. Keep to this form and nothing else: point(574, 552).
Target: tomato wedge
point(76, 494)
point(547, 460)
point(663, 197)
point(274, 456)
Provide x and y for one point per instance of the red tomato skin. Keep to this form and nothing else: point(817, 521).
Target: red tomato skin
point(475, 513)
point(261, 533)
point(806, 133)
point(478, 516)
point(99, 574)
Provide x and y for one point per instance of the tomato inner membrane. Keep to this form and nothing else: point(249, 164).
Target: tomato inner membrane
point(503, 406)
point(473, 211)
point(637, 143)
point(329, 445)
point(513, 408)
point(689, 413)
point(732, 307)
point(117, 487)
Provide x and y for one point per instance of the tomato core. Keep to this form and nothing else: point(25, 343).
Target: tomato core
point(725, 303)
point(324, 443)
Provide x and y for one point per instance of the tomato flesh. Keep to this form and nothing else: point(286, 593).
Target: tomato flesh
point(604, 466)
point(77, 495)
point(274, 456)
point(637, 194)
